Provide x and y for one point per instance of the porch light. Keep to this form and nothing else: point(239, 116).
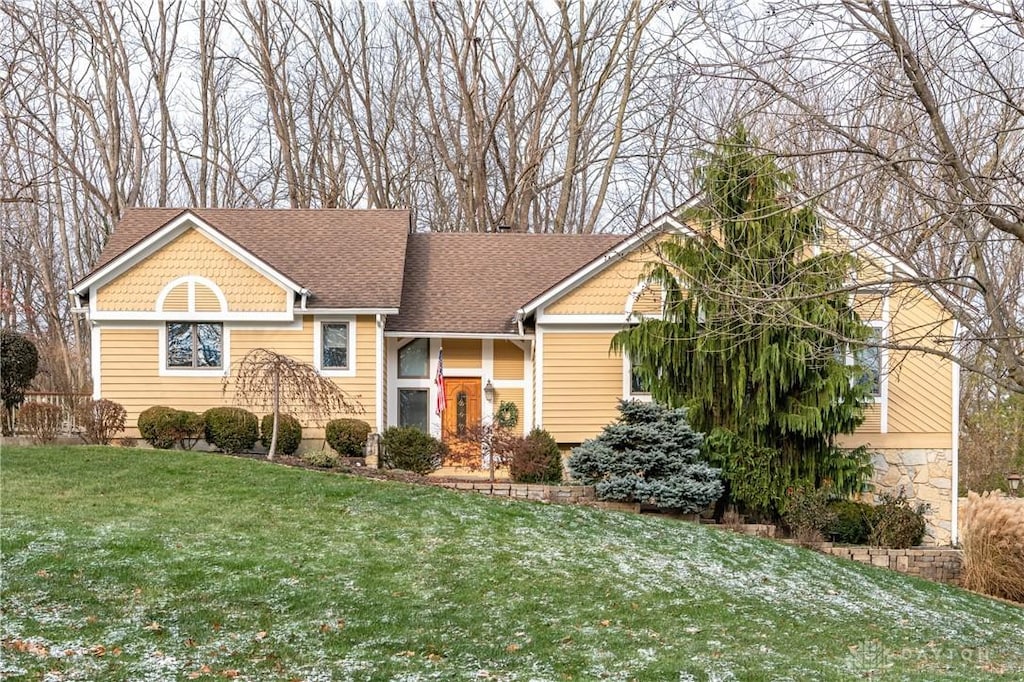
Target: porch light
point(489, 391)
point(1014, 481)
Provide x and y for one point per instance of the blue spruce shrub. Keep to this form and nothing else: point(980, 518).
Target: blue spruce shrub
point(651, 456)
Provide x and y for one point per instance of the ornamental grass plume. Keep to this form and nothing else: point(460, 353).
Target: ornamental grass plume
point(992, 531)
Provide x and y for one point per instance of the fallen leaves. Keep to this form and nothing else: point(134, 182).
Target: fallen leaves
point(27, 647)
point(153, 627)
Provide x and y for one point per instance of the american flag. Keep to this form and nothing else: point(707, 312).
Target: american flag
point(442, 400)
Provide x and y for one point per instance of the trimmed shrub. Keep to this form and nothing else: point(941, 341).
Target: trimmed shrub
point(897, 524)
point(20, 361)
point(347, 436)
point(231, 429)
point(807, 512)
point(852, 522)
point(408, 448)
point(289, 433)
point(41, 420)
point(182, 427)
point(538, 460)
point(100, 420)
point(147, 423)
point(993, 544)
point(320, 458)
point(651, 455)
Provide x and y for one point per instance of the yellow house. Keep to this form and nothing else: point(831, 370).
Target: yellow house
point(180, 296)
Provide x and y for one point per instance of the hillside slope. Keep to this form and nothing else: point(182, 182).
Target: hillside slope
point(133, 564)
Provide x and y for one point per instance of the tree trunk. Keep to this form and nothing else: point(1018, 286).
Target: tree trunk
point(277, 411)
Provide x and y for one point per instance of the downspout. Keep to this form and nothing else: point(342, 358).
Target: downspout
point(305, 294)
point(519, 321)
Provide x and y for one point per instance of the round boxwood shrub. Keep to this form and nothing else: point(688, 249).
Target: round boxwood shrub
point(231, 429)
point(851, 523)
point(538, 460)
point(408, 448)
point(163, 427)
point(289, 433)
point(185, 427)
point(347, 436)
point(149, 421)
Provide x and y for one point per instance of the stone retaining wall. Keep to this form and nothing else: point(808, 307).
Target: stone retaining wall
point(559, 494)
point(940, 565)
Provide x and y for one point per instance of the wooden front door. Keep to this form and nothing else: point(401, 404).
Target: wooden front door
point(460, 420)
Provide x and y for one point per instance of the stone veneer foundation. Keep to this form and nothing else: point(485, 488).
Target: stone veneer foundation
point(926, 476)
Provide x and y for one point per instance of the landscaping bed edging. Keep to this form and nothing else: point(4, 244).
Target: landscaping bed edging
point(559, 494)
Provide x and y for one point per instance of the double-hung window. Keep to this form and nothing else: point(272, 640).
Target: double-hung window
point(195, 345)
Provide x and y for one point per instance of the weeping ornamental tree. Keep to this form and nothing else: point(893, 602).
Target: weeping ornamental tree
point(755, 333)
point(268, 380)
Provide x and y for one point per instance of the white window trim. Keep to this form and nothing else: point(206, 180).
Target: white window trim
point(225, 356)
point(318, 322)
point(627, 383)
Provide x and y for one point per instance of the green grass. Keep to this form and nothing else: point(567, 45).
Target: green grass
point(196, 566)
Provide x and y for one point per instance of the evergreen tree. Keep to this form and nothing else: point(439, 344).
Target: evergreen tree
point(19, 361)
point(754, 334)
point(650, 455)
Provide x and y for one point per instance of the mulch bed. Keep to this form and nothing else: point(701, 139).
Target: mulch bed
point(350, 469)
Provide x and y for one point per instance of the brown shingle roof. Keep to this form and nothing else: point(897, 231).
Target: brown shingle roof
point(473, 283)
point(347, 258)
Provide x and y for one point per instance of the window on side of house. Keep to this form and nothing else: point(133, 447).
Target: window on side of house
point(637, 385)
point(413, 408)
point(869, 357)
point(414, 359)
point(195, 345)
point(334, 352)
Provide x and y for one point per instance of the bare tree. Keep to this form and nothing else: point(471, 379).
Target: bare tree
point(906, 120)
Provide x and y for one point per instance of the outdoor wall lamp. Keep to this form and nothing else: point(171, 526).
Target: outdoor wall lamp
point(489, 391)
point(1014, 481)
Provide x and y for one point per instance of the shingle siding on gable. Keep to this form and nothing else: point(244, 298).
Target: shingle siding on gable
point(192, 254)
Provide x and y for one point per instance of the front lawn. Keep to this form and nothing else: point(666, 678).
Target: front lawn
point(134, 564)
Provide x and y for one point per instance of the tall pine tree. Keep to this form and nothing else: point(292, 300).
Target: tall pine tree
point(754, 335)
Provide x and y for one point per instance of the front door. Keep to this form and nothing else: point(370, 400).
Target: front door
point(461, 419)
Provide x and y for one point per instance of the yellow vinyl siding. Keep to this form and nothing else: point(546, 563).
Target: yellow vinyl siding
point(192, 254)
point(512, 395)
point(462, 353)
point(177, 298)
point(582, 384)
point(920, 384)
point(130, 373)
point(872, 420)
point(508, 361)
